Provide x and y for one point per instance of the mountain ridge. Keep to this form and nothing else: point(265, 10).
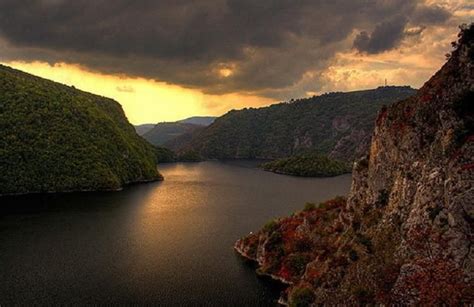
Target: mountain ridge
point(164, 132)
point(334, 124)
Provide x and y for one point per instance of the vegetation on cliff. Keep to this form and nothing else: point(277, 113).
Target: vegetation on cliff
point(338, 125)
point(308, 165)
point(56, 138)
point(404, 234)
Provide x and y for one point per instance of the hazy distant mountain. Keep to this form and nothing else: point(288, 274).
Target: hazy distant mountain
point(142, 129)
point(162, 133)
point(56, 138)
point(337, 124)
point(199, 120)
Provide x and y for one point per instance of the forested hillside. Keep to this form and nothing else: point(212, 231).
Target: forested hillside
point(164, 132)
point(308, 165)
point(142, 129)
point(337, 124)
point(56, 138)
point(199, 120)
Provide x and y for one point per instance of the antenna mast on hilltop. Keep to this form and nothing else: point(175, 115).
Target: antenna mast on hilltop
point(385, 82)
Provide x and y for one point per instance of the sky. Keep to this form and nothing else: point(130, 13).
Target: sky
point(165, 60)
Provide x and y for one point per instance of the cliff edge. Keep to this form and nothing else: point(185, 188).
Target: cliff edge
point(404, 234)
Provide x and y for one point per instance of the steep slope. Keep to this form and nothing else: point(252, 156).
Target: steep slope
point(404, 235)
point(142, 129)
point(336, 124)
point(164, 132)
point(56, 138)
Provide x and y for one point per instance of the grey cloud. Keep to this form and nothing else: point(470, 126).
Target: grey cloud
point(271, 43)
point(430, 15)
point(385, 36)
point(389, 33)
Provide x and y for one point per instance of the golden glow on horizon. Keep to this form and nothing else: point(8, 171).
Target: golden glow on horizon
point(143, 100)
point(411, 64)
point(149, 101)
point(225, 72)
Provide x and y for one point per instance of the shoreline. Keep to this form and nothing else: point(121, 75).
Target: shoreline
point(274, 278)
point(121, 188)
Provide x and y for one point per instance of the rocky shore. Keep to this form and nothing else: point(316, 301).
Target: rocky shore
point(404, 234)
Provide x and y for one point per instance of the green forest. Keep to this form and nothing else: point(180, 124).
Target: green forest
point(164, 132)
point(56, 138)
point(339, 125)
point(165, 155)
point(308, 165)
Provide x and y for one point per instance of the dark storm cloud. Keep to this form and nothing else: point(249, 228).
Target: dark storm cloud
point(388, 34)
point(385, 36)
point(270, 43)
point(430, 15)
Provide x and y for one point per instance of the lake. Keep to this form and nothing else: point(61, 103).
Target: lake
point(162, 243)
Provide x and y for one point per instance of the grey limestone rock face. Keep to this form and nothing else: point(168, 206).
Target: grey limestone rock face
point(422, 156)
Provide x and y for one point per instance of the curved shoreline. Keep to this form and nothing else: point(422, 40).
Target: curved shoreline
point(122, 187)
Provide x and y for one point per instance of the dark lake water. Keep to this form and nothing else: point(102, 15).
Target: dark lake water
point(165, 243)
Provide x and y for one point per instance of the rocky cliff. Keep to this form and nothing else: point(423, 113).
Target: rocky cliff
point(404, 234)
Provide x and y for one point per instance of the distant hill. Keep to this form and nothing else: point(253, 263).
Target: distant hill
point(337, 124)
point(142, 129)
point(162, 133)
point(54, 138)
point(199, 120)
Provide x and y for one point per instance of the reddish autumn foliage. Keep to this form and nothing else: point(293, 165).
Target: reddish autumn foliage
point(435, 282)
point(436, 279)
point(466, 167)
point(426, 98)
point(387, 278)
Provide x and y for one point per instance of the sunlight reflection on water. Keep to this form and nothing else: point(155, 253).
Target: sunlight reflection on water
point(167, 243)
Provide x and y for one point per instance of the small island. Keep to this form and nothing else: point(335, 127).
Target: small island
point(308, 165)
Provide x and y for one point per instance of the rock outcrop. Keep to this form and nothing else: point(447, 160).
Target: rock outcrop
point(404, 235)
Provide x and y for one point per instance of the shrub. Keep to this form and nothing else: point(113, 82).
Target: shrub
point(309, 207)
point(301, 297)
point(270, 226)
point(353, 255)
point(366, 242)
point(433, 212)
point(303, 244)
point(275, 240)
point(296, 263)
point(383, 198)
point(364, 296)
